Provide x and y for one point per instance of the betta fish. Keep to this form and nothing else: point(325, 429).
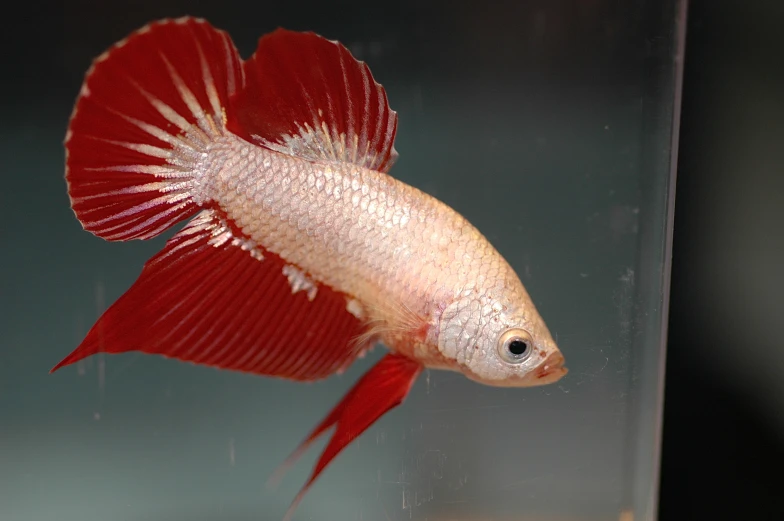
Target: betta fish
point(300, 251)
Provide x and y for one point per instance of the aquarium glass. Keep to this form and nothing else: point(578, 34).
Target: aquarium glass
point(552, 126)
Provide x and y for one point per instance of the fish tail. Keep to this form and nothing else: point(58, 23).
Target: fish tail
point(148, 110)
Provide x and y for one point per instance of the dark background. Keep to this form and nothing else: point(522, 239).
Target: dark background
point(723, 451)
point(723, 448)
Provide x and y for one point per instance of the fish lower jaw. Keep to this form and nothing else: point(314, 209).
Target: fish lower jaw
point(550, 371)
point(547, 372)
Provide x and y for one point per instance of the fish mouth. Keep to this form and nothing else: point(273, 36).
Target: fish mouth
point(551, 370)
point(548, 371)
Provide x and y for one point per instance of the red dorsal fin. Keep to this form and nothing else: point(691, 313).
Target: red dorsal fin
point(382, 388)
point(308, 96)
point(149, 107)
point(210, 298)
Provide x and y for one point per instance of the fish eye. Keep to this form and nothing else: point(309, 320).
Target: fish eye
point(515, 346)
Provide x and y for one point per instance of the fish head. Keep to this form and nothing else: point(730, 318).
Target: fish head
point(496, 337)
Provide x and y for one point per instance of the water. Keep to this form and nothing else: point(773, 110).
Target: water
point(548, 125)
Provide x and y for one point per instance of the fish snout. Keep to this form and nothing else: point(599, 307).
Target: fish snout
point(551, 370)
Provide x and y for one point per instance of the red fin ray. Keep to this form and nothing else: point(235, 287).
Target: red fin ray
point(308, 96)
point(381, 389)
point(211, 298)
point(147, 109)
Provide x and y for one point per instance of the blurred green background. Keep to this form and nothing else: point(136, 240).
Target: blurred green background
point(546, 123)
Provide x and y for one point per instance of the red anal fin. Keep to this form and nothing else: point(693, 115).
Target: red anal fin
point(382, 388)
point(309, 97)
point(210, 298)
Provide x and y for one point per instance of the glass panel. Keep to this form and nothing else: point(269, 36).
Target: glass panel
point(549, 125)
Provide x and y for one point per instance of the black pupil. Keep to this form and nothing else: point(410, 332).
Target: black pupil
point(517, 347)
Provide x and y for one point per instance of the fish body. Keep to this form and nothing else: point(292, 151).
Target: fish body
point(301, 251)
point(402, 256)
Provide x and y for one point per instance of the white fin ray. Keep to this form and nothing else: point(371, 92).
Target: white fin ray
point(204, 120)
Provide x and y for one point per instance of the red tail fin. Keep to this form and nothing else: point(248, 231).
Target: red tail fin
point(148, 108)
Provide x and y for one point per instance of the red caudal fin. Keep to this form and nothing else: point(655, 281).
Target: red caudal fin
point(211, 297)
point(308, 96)
point(382, 388)
point(148, 108)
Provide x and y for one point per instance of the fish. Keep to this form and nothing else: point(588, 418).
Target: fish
point(299, 251)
